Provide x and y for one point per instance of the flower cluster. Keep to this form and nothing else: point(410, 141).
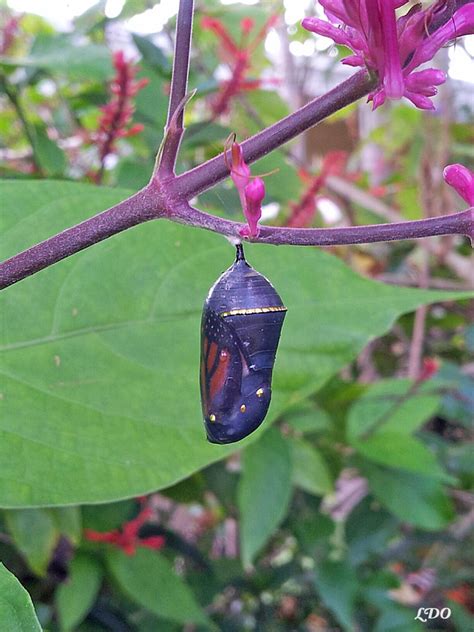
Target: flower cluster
point(117, 113)
point(393, 47)
point(127, 538)
point(251, 190)
point(237, 56)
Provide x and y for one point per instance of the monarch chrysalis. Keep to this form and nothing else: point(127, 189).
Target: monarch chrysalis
point(241, 324)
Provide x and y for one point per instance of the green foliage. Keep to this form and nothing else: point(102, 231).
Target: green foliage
point(416, 499)
point(16, 610)
point(149, 579)
point(264, 491)
point(35, 535)
point(104, 373)
point(337, 584)
point(75, 597)
point(310, 472)
point(357, 480)
point(59, 54)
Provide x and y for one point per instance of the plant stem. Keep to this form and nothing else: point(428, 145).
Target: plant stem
point(174, 124)
point(209, 173)
point(136, 209)
point(455, 224)
point(419, 326)
point(167, 196)
point(14, 99)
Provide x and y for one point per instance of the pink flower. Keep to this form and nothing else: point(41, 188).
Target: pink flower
point(251, 191)
point(462, 180)
point(117, 114)
point(391, 47)
point(254, 194)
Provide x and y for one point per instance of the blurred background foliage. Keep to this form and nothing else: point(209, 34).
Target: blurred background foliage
point(355, 507)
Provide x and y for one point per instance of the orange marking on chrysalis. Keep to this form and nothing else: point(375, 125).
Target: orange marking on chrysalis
point(211, 357)
point(204, 387)
point(220, 374)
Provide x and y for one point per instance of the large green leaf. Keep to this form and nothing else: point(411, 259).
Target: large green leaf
point(100, 397)
point(264, 491)
point(16, 610)
point(149, 579)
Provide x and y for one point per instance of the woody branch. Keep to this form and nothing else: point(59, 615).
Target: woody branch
point(167, 195)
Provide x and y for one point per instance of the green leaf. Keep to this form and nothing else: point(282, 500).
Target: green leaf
point(308, 419)
point(310, 471)
point(264, 491)
point(108, 517)
point(400, 451)
point(149, 579)
point(152, 101)
point(68, 522)
point(16, 609)
point(51, 158)
point(75, 596)
point(395, 618)
point(152, 55)
point(391, 406)
point(337, 584)
point(58, 54)
point(35, 534)
point(100, 352)
point(133, 174)
point(368, 530)
point(415, 499)
point(460, 616)
point(283, 185)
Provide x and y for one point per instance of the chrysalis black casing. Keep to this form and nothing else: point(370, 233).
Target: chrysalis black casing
point(241, 324)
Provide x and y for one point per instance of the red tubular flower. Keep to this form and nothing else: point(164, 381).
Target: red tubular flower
point(127, 538)
point(392, 47)
point(118, 112)
point(237, 56)
point(303, 212)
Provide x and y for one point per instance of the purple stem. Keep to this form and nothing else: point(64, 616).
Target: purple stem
point(167, 196)
point(209, 173)
point(461, 223)
point(174, 124)
point(136, 209)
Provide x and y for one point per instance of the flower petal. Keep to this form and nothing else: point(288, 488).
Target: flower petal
point(254, 194)
point(462, 180)
point(393, 78)
point(422, 102)
point(462, 23)
point(337, 34)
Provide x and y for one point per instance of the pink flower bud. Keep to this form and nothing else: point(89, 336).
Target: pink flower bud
point(239, 171)
point(254, 194)
point(462, 180)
